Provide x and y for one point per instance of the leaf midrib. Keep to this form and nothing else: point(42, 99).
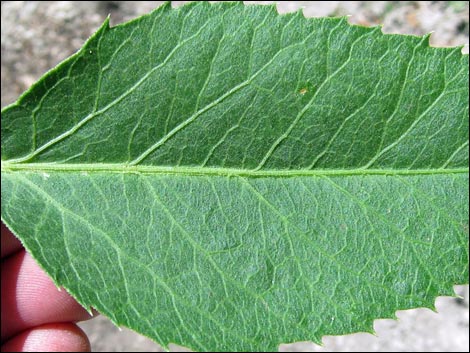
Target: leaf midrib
point(216, 171)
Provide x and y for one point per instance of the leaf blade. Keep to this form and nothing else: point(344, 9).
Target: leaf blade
point(174, 197)
point(444, 84)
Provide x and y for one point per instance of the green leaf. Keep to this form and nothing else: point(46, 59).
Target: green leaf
point(226, 178)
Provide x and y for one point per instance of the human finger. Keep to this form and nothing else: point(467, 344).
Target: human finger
point(10, 244)
point(30, 298)
point(57, 337)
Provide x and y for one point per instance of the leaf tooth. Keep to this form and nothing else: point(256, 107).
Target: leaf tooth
point(380, 28)
point(426, 39)
point(166, 6)
point(114, 321)
point(188, 5)
point(88, 309)
point(235, 3)
point(273, 9)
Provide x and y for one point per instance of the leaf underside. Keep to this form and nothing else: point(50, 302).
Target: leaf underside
point(226, 178)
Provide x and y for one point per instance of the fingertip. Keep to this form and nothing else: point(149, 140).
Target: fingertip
point(58, 337)
point(10, 244)
point(30, 298)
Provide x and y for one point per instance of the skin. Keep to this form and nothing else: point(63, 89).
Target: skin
point(35, 315)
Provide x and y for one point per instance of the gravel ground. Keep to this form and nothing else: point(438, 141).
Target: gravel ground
point(37, 35)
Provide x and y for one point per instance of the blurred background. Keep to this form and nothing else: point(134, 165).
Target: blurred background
point(37, 35)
